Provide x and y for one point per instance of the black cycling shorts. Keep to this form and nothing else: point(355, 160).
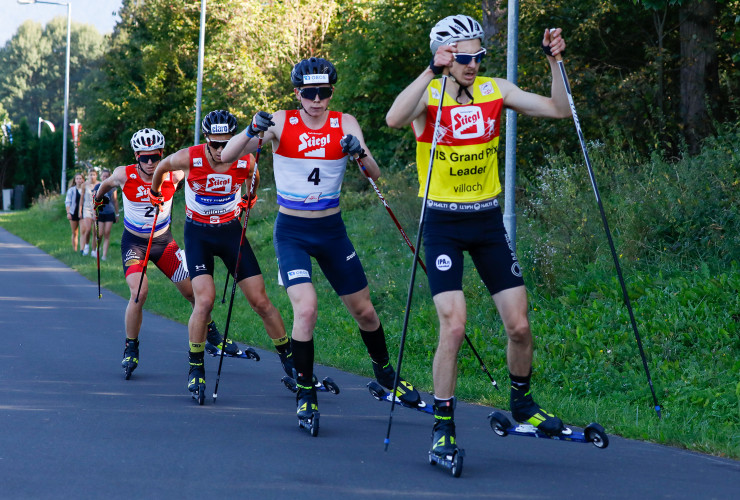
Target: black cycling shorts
point(203, 242)
point(482, 234)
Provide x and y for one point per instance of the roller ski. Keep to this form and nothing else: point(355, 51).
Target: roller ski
point(307, 409)
point(326, 385)
point(378, 392)
point(215, 343)
point(444, 450)
point(593, 433)
point(197, 378)
point(130, 357)
point(405, 394)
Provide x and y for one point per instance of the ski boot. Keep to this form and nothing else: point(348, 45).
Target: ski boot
point(386, 376)
point(526, 411)
point(444, 449)
point(216, 340)
point(286, 361)
point(130, 357)
point(197, 377)
point(307, 409)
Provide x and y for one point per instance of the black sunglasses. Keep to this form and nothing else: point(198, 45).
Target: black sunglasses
point(465, 59)
point(310, 93)
point(154, 158)
point(217, 144)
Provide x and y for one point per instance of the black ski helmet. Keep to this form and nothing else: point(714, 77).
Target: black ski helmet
point(313, 66)
point(219, 122)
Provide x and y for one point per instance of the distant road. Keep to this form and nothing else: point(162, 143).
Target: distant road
point(72, 427)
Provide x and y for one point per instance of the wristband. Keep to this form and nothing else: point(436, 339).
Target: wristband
point(362, 155)
point(437, 70)
point(546, 50)
point(246, 132)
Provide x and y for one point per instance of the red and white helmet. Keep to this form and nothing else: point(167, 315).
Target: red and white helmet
point(454, 29)
point(147, 139)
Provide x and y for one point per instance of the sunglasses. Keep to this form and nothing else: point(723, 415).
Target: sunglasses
point(154, 158)
point(465, 59)
point(310, 93)
point(217, 144)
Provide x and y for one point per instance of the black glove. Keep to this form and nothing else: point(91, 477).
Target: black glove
point(99, 203)
point(260, 123)
point(351, 146)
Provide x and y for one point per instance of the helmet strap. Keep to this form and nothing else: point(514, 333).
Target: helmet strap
point(460, 90)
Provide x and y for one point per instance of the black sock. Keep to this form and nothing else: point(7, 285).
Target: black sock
point(520, 383)
point(376, 346)
point(303, 361)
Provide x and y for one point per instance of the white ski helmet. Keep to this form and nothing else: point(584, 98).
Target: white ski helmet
point(454, 29)
point(147, 139)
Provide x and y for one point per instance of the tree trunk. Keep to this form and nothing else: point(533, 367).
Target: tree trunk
point(699, 69)
point(494, 20)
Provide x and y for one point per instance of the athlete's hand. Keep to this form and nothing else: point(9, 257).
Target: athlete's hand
point(351, 146)
point(98, 204)
point(246, 202)
point(156, 198)
point(260, 123)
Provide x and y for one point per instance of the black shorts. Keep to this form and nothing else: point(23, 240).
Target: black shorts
point(106, 217)
point(203, 242)
point(297, 239)
point(482, 234)
point(75, 216)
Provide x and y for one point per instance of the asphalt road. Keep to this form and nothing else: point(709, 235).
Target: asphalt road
point(72, 427)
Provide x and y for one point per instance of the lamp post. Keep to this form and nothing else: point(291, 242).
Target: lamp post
point(199, 89)
point(66, 86)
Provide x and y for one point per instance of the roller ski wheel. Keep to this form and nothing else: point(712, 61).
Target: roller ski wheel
point(247, 353)
point(378, 392)
point(326, 385)
point(311, 424)
point(593, 433)
point(199, 394)
point(130, 357)
point(453, 462)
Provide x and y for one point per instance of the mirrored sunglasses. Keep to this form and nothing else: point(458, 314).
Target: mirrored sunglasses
point(465, 59)
point(154, 158)
point(310, 93)
point(217, 144)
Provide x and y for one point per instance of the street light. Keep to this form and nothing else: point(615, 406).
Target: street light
point(66, 86)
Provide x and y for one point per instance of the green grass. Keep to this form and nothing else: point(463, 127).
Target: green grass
point(587, 365)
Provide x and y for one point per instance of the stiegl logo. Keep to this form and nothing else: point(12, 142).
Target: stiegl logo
point(443, 262)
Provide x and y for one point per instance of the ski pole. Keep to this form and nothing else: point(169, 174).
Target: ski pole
point(236, 264)
point(97, 253)
point(148, 249)
point(416, 258)
point(421, 263)
point(226, 285)
point(625, 295)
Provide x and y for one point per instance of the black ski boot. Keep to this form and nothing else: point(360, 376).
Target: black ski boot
point(130, 357)
point(445, 451)
point(286, 361)
point(386, 376)
point(216, 340)
point(197, 377)
point(307, 409)
point(525, 410)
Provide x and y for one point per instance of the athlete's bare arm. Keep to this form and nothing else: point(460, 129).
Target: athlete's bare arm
point(179, 161)
point(116, 179)
point(242, 144)
point(350, 126)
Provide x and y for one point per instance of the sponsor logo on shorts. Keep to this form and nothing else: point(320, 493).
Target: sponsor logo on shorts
point(200, 267)
point(197, 162)
point(352, 255)
point(298, 273)
point(443, 262)
point(516, 270)
point(132, 262)
point(215, 219)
